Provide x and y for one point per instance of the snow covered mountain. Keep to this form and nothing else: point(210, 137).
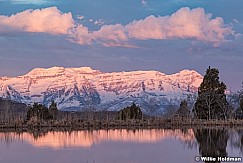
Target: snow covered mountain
point(85, 88)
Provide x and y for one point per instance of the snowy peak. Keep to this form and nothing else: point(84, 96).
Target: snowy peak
point(186, 73)
point(53, 71)
point(192, 77)
point(58, 71)
point(82, 70)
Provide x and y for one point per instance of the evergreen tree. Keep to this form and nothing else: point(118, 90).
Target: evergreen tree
point(211, 102)
point(131, 112)
point(241, 103)
point(38, 111)
point(239, 110)
point(241, 91)
point(53, 110)
point(241, 97)
point(183, 111)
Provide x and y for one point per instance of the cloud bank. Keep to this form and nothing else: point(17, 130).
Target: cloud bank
point(185, 23)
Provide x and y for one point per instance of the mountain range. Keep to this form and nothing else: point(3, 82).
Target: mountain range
point(84, 88)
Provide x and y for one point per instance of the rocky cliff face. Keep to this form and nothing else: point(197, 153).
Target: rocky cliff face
point(85, 88)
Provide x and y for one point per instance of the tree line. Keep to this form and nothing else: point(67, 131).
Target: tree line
point(40, 112)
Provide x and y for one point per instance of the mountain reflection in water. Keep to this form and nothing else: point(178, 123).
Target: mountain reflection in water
point(88, 138)
point(120, 145)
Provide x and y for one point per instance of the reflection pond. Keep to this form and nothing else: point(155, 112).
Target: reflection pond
point(120, 146)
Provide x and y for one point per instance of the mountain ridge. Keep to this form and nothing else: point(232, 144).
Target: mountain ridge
point(84, 88)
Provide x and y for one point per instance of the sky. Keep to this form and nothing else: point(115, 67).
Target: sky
point(111, 35)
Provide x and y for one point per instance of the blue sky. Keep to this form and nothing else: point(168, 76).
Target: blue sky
point(112, 35)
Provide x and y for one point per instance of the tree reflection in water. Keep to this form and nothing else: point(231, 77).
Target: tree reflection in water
point(236, 139)
point(212, 142)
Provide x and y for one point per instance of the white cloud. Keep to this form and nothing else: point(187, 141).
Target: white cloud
point(99, 22)
point(80, 17)
point(144, 2)
point(80, 35)
point(183, 24)
point(236, 21)
point(192, 24)
point(48, 20)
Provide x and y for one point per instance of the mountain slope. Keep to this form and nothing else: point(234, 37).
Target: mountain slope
point(85, 88)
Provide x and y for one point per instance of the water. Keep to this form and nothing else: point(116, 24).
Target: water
point(119, 146)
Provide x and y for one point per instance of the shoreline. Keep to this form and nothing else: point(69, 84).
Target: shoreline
point(130, 124)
